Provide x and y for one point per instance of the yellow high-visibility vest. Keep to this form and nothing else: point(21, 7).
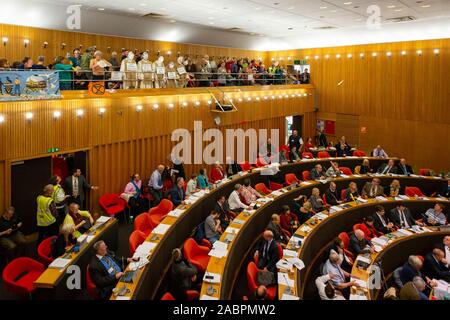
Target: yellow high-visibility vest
point(55, 193)
point(44, 215)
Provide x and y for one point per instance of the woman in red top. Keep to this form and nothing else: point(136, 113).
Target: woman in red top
point(368, 229)
point(288, 220)
point(309, 145)
point(217, 173)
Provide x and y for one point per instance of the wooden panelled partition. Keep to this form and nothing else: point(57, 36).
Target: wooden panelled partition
point(122, 140)
point(403, 101)
point(15, 49)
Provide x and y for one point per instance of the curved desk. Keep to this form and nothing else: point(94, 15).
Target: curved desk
point(149, 278)
point(318, 232)
point(251, 225)
point(394, 254)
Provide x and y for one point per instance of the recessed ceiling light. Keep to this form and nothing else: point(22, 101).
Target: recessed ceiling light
point(101, 9)
point(419, 52)
point(323, 8)
point(56, 114)
point(338, 56)
point(361, 55)
point(139, 108)
point(426, 6)
point(155, 106)
point(348, 3)
point(101, 110)
point(391, 7)
point(374, 54)
point(316, 57)
point(327, 56)
point(80, 112)
point(398, 10)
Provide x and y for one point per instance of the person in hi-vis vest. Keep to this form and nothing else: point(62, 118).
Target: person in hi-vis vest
point(46, 214)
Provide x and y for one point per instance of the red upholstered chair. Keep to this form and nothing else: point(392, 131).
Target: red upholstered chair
point(324, 199)
point(307, 155)
point(306, 175)
point(252, 276)
point(260, 162)
point(346, 240)
point(160, 211)
point(359, 153)
point(323, 155)
point(197, 255)
point(191, 295)
point(343, 194)
point(45, 250)
point(136, 238)
point(346, 170)
point(19, 275)
point(245, 166)
point(261, 188)
point(424, 172)
point(142, 223)
point(275, 186)
point(290, 178)
point(358, 226)
point(413, 192)
point(90, 285)
point(112, 204)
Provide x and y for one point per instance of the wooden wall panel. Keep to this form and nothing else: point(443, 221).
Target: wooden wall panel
point(403, 101)
point(16, 51)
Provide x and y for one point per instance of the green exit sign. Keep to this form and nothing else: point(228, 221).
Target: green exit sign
point(52, 150)
point(300, 62)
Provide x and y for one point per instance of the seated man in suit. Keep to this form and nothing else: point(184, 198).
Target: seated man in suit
point(381, 222)
point(387, 168)
point(404, 168)
point(413, 290)
point(105, 269)
point(279, 234)
point(332, 196)
point(401, 217)
point(411, 269)
point(177, 193)
point(225, 215)
point(359, 244)
point(435, 267)
point(293, 155)
point(267, 252)
point(317, 173)
point(183, 275)
point(372, 189)
point(435, 216)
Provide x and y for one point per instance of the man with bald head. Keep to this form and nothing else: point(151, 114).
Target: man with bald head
point(278, 232)
point(359, 244)
point(267, 252)
point(435, 265)
point(317, 173)
point(156, 184)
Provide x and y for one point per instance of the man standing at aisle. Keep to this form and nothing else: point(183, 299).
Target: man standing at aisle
point(76, 185)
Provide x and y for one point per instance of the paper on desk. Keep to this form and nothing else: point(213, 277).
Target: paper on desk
point(206, 297)
point(175, 213)
point(284, 264)
point(320, 216)
point(283, 279)
point(265, 200)
point(359, 282)
point(357, 175)
point(323, 181)
point(381, 198)
point(199, 194)
point(306, 183)
point(290, 253)
point(289, 297)
point(123, 298)
point(89, 238)
point(305, 229)
point(363, 259)
point(403, 197)
point(138, 264)
point(232, 230)
point(335, 209)
point(102, 219)
point(277, 193)
point(161, 228)
point(146, 247)
point(361, 200)
point(405, 232)
point(218, 253)
point(215, 277)
point(238, 221)
point(378, 241)
point(296, 262)
point(357, 297)
point(219, 245)
point(59, 263)
point(344, 176)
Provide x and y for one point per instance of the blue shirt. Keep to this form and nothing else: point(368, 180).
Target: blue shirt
point(156, 180)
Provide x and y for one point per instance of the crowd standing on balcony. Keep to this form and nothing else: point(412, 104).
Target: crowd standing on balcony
point(136, 69)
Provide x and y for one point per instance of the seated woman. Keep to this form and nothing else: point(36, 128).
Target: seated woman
point(394, 189)
point(202, 180)
point(217, 173)
point(368, 228)
point(309, 145)
point(65, 239)
point(81, 220)
point(132, 194)
point(249, 194)
point(316, 200)
point(351, 193)
point(339, 247)
point(288, 220)
point(365, 167)
point(293, 155)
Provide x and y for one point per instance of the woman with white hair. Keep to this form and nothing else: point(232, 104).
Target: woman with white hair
point(98, 65)
point(65, 239)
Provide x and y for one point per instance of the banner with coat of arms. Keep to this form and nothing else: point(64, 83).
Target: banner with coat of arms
point(18, 85)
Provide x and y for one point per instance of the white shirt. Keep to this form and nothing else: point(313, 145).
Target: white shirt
point(447, 255)
point(235, 202)
point(191, 186)
point(321, 284)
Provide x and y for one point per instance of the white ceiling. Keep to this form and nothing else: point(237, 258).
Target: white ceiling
point(272, 18)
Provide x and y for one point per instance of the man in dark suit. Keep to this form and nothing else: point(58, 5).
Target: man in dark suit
point(372, 189)
point(321, 139)
point(177, 192)
point(225, 215)
point(267, 252)
point(76, 185)
point(411, 269)
point(359, 244)
point(183, 275)
point(105, 269)
point(387, 168)
point(280, 235)
point(331, 195)
point(413, 290)
point(381, 222)
point(404, 168)
point(434, 266)
point(401, 217)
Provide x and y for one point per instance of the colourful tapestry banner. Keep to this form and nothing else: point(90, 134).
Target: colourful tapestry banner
point(29, 85)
